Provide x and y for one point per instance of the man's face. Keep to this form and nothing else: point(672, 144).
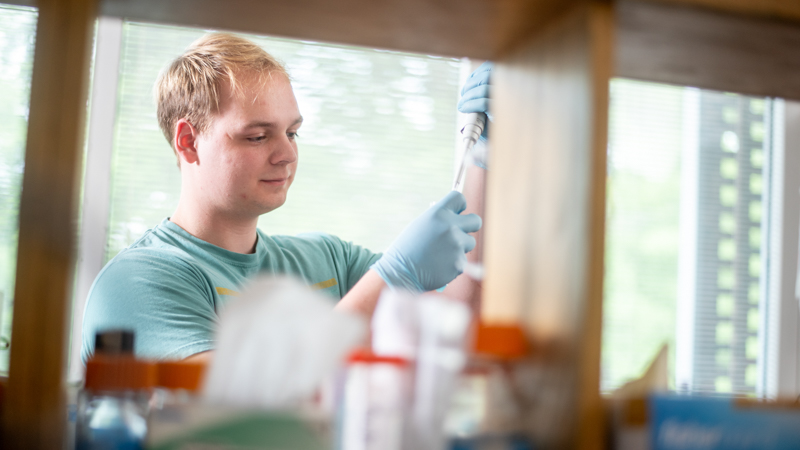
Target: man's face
point(248, 154)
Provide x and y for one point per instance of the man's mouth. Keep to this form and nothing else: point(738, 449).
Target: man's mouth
point(275, 181)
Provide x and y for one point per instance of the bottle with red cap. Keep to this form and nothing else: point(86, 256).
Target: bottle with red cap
point(373, 404)
point(114, 404)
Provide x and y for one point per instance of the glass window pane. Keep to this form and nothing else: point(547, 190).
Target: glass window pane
point(684, 234)
point(642, 230)
point(17, 34)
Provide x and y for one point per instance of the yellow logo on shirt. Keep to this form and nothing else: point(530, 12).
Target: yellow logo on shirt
point(226, 291)
point(324, 284)
point(316, 286)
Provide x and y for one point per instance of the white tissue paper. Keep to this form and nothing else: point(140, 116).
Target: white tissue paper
point(277, 343)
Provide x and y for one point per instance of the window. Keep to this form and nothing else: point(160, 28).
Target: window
point(17, 33)
point(688, 196)
point(376, 147)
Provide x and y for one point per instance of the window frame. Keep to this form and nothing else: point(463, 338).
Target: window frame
point(96, 195)
point(782, 321)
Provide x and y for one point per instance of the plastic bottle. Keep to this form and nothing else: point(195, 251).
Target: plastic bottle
point(485, 412)
point(178, 382)
point(113, 406)
point(373, 403)
point(176, 400)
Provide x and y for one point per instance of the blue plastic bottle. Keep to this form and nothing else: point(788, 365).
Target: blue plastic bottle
point(113, 406)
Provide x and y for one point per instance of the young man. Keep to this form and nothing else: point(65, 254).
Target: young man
point(228, 110)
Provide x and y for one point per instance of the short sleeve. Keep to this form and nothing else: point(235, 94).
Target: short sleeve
point(349, 261)
point(358, 260)
point(165, 300)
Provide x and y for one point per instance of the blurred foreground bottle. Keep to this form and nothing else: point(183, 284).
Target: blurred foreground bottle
point(374, 403)
point(178, 383)
point(486, 412)
point(113, 406)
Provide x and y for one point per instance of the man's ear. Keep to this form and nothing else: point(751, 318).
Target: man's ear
point(186, 142)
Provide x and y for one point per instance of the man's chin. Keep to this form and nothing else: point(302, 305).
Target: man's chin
point(269, 207)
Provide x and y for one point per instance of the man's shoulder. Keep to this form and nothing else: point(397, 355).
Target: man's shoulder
point(154, 251)
point(141, 261)
point(309, 242)
point(308, 238)
point(316, 245)
point(162, 237)
point(149, 253)
point(161, 242)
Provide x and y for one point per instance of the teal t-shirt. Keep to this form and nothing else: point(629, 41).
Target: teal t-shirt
point(169, 286)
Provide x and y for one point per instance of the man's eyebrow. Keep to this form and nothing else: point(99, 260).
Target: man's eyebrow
point(270, 124)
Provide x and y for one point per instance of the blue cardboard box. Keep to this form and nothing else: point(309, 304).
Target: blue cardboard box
point(711, 423)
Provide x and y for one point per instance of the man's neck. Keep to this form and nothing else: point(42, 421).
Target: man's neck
point(233, 234)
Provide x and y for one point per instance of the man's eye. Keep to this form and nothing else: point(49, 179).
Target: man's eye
point(257, 138)
point(293, 136)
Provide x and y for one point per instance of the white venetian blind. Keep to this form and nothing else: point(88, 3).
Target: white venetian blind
point(686, 196)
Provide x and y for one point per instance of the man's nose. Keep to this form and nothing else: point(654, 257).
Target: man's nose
point(284, 151)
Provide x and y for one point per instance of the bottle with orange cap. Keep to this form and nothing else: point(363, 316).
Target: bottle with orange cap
point(485, 412)
point(178, 382)
point(176, 398)
point(114, 404)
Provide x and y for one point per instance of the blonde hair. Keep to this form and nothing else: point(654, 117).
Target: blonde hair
point(189, 88)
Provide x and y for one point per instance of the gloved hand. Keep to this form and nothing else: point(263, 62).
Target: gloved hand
point(431, 251)
point(475, 93)
point(475, 98)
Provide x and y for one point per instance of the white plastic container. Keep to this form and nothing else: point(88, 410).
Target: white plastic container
point(374, 402)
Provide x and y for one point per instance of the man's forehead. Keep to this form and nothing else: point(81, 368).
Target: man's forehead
point(248, 84)
point(251, 94)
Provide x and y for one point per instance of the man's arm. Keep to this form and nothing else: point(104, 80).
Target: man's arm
point(363, 297)
point(202, 358)
point(163, 299)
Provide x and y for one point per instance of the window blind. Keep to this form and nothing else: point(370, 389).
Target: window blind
point(375, 149)
point(733, 146)
point(685, 247)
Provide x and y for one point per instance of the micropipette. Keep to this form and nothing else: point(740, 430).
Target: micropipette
point(470, 135)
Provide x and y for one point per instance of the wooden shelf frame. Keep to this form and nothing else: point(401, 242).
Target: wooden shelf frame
point(545, 217)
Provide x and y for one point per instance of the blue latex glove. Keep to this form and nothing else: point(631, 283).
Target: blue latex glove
point(431, 251)
point(475, 93)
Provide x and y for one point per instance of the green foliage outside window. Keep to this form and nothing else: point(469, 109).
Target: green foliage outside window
point(642, 226)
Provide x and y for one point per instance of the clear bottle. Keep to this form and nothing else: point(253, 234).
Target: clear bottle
point(485, 412)
point(114, 404)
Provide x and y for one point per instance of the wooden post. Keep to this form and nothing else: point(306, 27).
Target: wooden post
point(545, 215)
point(35, 411)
